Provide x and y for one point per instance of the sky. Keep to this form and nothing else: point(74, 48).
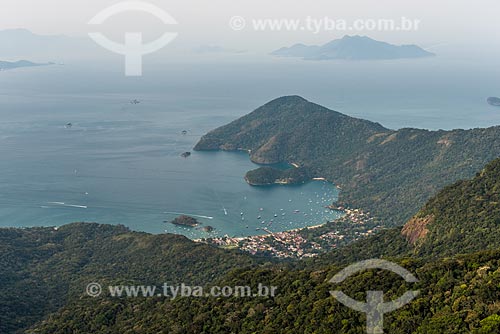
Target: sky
point(206, 22)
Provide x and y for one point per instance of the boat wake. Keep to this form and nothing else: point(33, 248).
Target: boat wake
point(68, 205)
point(188, 214)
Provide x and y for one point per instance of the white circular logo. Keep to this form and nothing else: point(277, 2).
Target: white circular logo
point(237, 23)
point(94, 289)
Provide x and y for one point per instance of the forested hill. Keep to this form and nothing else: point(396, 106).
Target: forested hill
point(457, 296)
point(462, 218)
point(42, 269)
point(294, 129)
point(390, 173)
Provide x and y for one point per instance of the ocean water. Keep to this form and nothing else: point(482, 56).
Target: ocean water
point(120, 163)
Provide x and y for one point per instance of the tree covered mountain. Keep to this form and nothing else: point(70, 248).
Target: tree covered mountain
point(42, 269)
point(462, 218)
point(458, 295)
point(390, 173)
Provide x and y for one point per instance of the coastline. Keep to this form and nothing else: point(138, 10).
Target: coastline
point(235, 241)
point(298, 229)
point(309, 241)
point(277, 181)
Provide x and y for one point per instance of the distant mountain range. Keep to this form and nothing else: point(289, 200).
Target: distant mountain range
point(390, 173)
point(6, 65)
point(24, 44)
point(353, 48)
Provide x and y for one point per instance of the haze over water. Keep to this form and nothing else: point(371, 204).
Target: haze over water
point(120, 162)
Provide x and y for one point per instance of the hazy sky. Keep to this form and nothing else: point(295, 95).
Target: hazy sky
point(206, 22)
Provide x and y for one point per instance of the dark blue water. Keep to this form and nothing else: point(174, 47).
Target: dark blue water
point(120, 163)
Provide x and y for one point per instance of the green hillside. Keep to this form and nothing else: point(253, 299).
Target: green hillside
point(389, 173)
point(457, 295)
point(41, 269)
point(462, 218)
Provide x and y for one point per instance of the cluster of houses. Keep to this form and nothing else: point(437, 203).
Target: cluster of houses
point(293, 244)
point(288, 244)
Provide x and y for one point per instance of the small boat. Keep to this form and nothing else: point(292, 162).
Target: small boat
point(259, 217)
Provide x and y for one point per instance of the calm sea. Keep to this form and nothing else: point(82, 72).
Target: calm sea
point(120, 163)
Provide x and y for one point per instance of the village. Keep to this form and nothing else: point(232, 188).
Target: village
point(306, 242)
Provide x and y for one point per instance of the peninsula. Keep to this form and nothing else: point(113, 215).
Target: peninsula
point(378, 169)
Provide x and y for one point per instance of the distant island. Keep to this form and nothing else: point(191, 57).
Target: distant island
point(184, 220)
point(353, 48)
point(494, 101)
point(7, 65)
